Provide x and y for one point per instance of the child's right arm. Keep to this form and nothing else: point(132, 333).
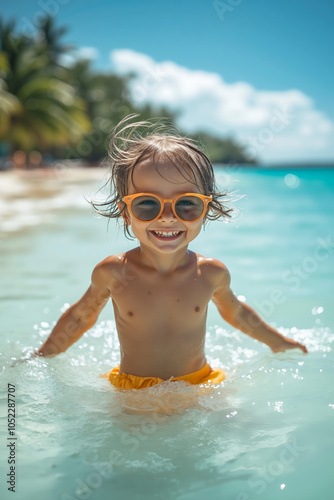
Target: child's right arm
point(79, 317)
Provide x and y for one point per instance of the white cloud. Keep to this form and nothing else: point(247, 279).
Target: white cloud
point(87, 53)
point(71, 58)
point(275, 126)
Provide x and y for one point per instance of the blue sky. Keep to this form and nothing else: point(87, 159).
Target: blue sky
point(279, 50)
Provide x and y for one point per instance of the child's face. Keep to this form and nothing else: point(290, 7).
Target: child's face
point(167, 183)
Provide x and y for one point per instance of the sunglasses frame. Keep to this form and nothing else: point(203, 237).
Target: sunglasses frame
point(128, 201)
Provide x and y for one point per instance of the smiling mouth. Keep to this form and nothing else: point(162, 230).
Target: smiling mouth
point(166, 235)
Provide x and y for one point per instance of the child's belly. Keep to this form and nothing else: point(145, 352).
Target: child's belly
point(164, 340)
point(162, 353)
point(162, 367)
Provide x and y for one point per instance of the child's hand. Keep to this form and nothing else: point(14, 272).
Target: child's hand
point(286, 344)
point(25, 358)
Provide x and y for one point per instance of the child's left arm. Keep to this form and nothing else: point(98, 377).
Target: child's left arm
point(243, 317)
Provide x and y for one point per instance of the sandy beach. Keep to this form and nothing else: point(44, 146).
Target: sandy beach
point(30, 183)
point(28, 198)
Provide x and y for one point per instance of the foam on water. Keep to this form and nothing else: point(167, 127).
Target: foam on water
point(243, 433)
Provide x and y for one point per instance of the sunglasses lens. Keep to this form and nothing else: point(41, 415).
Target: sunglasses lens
point(189, 208)
point(145, 207)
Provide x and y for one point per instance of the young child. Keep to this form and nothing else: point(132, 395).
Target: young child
point(163, 187)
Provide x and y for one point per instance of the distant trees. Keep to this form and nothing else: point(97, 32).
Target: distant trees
point(38, 108)
point(68, 111)
point(223, 150)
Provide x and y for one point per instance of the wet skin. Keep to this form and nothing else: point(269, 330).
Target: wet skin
point(160, 291)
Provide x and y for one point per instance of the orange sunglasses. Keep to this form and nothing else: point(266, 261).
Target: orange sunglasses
point(148, 207)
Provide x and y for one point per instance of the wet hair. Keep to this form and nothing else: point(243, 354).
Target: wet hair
point(131, 143)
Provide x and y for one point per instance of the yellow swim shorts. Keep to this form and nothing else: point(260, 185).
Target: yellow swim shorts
point(126, 381)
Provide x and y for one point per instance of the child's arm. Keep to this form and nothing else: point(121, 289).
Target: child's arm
point(78, 318)
point(243, 317)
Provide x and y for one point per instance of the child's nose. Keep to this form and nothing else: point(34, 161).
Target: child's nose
point(167, 213)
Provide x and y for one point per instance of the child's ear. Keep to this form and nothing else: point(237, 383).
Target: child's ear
point(123, 214)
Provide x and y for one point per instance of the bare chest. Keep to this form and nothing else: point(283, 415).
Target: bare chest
point(177, 301)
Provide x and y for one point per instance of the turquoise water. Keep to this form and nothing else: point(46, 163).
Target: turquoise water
point(265, 433)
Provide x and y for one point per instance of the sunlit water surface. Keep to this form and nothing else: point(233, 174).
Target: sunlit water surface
point(265, 433)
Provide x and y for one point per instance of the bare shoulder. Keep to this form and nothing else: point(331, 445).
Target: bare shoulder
point(214, 270)
point(108, 272)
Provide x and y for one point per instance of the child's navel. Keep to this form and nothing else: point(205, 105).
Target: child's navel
point(197, 309)
point(130, 313)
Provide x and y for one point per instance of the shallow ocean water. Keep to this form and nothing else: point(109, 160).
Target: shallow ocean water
point(265, 433)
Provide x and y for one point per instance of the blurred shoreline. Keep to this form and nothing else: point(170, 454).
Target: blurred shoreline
point(29, 198)
point(13, 182)
point(33, 196)
point(87, 170)
point(31, 182)
point(81, 167)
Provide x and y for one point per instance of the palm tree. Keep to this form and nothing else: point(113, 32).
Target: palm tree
point(37, 109)
point(49, 37)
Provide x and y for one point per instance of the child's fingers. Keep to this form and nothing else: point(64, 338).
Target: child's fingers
point(303, 348)
point(16, 362)
point(299, 346)
point(290, 344)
